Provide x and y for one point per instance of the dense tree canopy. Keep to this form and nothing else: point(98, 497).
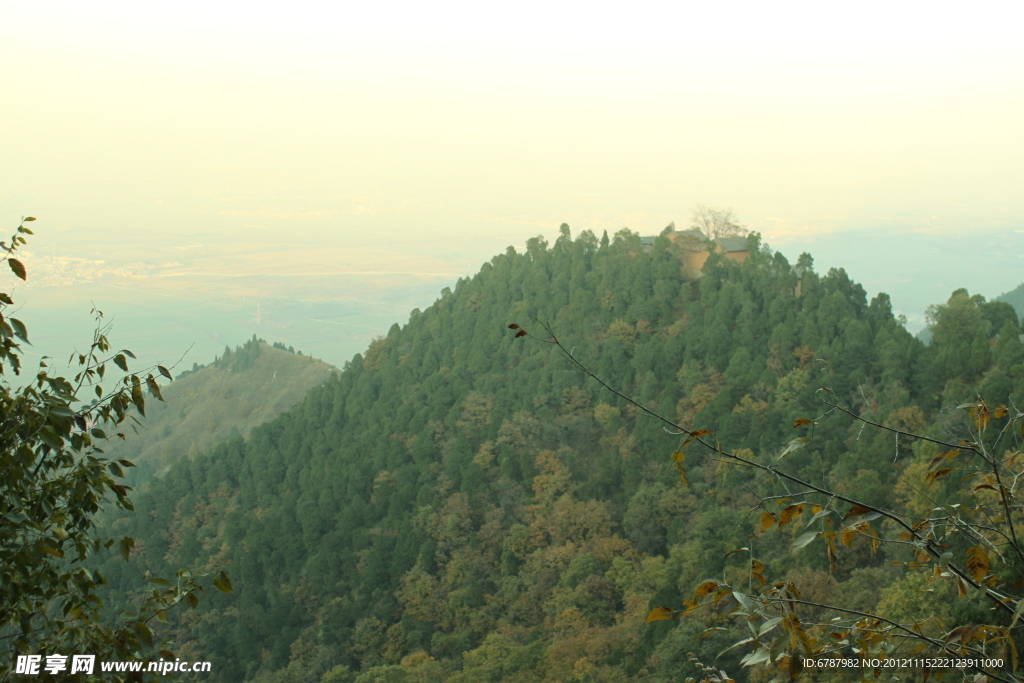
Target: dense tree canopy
point(456, 505)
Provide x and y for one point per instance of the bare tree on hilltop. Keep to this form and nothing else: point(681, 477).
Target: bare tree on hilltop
point(714, 223)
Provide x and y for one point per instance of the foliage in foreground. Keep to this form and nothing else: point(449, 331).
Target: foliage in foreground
point(54, 481)
point(969, 538)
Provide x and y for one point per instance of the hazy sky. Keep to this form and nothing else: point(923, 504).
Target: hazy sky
point(453, 130)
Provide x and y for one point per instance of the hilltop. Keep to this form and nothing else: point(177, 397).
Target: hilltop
point(460, 505)
point(210, 404)
point(1015, 297)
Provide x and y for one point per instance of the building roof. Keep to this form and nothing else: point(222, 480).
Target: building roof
point(731, 244)
point(694, 240)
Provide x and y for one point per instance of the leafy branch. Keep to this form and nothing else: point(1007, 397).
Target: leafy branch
point(975, 575)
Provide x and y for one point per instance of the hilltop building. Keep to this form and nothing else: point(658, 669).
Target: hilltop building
point(696, 247)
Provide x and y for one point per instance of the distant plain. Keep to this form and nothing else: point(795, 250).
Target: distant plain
point(329, 285)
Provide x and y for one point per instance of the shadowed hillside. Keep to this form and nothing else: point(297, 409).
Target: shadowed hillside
point(214, 403)
point(1015, 297)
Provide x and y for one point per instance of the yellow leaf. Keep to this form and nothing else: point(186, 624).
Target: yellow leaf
point(936, 475)
point(694, 435)
point(659, 613)
point(755, 570)
point(873, 536)
point(682, 476)
point(767, 520)
point(830, 540)
point(977, 562)
point(858, 510)
point(17, 267)
point(704, 589)
point(790, 513)
point(942, 457)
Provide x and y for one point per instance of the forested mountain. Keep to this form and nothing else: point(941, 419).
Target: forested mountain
point(460, 505)
point(1015, 297)
point(213, 403)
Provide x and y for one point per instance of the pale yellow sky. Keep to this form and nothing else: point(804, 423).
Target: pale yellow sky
point(461, 128)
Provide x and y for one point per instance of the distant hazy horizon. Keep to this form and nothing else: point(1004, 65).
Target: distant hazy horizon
point(389, 150)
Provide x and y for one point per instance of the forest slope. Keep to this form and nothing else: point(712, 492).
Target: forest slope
point(213, 403)
point(458, 505)
point(1015, 297)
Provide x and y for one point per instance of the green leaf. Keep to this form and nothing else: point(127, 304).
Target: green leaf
point(6, 299)
point(1017, 612)
point(50, 438)
point(756, 657)
point(794, 445)
point(17, 267)
point(818, 515)
point(29, 219)
point(154, 388)
point(223, 583)
point(165, 372)
point(856, 520)
point(144, 633)
point(137, 397)
point(768, 626)
point(734, 645)
point(20, 331)
point(746, 601)
point(127, 544)
point(804, 540)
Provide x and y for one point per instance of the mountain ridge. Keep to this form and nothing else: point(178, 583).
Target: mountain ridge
point(212, 403)
point(458, 505)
